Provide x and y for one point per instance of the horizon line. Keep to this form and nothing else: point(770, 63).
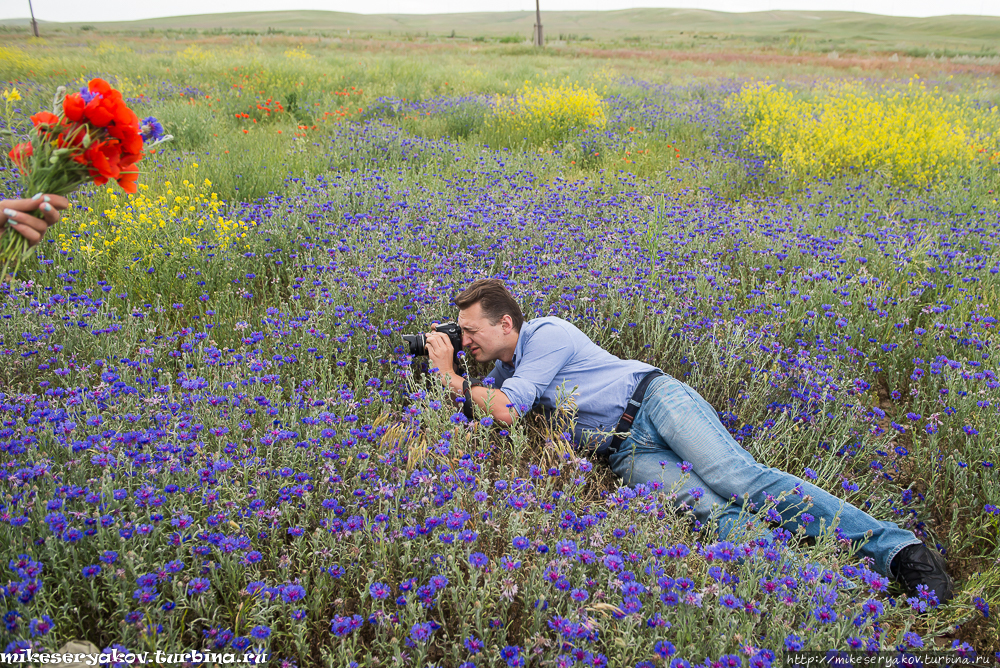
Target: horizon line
point(517, 11)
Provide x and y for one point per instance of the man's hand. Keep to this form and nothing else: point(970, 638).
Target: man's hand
point(440, 352)
point(442, 355)
point(18, 214)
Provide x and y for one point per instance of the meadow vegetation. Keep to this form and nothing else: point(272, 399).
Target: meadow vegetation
point(212, 436)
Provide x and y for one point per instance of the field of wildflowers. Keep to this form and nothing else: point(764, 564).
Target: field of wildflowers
point(911, 134)
point(213, 438)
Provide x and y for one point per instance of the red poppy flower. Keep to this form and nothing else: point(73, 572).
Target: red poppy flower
point(104, 106)
point(129, 137)
point(103, 160)
point(101, 86)
point(20, 153)
point(97, 114)
point(73, 107)
point(127, 181)
point(45, 118)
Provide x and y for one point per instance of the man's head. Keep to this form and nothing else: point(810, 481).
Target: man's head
point(490, 319)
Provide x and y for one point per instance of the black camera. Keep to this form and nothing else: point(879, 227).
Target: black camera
point(418, 342)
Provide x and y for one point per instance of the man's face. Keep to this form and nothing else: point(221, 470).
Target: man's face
point(484, 340)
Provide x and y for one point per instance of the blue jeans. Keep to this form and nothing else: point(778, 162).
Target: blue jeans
point(676, 424)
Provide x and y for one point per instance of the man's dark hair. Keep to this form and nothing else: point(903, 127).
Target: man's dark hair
point(493, 297)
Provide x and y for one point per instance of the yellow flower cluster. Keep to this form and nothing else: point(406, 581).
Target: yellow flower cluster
point(106, 48)
point(15, 59)
point(187, 220)
point(298, 53)
point(547, 112)
point(194, 55)
point(911, 134)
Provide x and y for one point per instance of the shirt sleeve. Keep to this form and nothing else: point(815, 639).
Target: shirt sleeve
point(542, 358)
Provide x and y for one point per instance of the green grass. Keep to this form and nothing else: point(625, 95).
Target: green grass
point(676, 28)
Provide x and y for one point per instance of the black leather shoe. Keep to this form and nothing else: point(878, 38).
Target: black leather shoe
point(917, 565)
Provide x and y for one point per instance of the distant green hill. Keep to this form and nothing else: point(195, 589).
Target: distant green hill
point(963, 33)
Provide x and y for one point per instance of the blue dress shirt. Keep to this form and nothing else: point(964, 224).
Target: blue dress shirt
point(553, 359)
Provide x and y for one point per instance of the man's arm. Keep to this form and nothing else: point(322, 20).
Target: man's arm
point(543, 357)
point(442, 353)
point(547, 354)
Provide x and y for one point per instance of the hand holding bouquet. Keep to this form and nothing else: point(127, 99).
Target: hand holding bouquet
point(17, 214)
point(88, 136)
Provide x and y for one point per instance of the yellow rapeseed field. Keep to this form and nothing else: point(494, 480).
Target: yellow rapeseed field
point(912, 134)
point(541, 112)
point(16, 61)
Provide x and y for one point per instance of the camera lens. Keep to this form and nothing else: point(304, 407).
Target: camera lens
point(417, 343)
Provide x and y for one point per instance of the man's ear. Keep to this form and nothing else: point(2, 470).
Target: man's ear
point(508, 324)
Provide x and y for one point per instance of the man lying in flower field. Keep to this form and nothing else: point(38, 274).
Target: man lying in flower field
point(672, 431)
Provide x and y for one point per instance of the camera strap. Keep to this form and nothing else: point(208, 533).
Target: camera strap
point(467, 407)
point(631, 408)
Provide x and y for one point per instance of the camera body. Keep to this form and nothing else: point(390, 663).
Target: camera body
point(418, 342)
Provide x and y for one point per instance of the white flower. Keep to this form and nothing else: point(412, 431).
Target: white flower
point(508, 589)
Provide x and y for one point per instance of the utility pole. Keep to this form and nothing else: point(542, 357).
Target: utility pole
point(539, 39)
point(34, 23)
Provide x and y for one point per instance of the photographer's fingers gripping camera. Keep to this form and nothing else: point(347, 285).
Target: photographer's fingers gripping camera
point(417, 343)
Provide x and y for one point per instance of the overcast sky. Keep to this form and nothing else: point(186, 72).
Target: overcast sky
point(119, 10)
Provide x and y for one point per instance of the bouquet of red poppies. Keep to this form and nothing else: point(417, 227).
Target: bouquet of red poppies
point(88, 136)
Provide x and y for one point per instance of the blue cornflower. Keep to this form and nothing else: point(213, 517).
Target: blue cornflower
point(664, 648)
point(473, 644)
point(198, 586)
point(512, 655)
point(378, 590)
point(260, 632)
point(982, 606)
point(421, 632)
point(40, 627)
point(293, 593)
point(342, 626)
point(727, 600)
point(825, 614)
point(151, 129)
